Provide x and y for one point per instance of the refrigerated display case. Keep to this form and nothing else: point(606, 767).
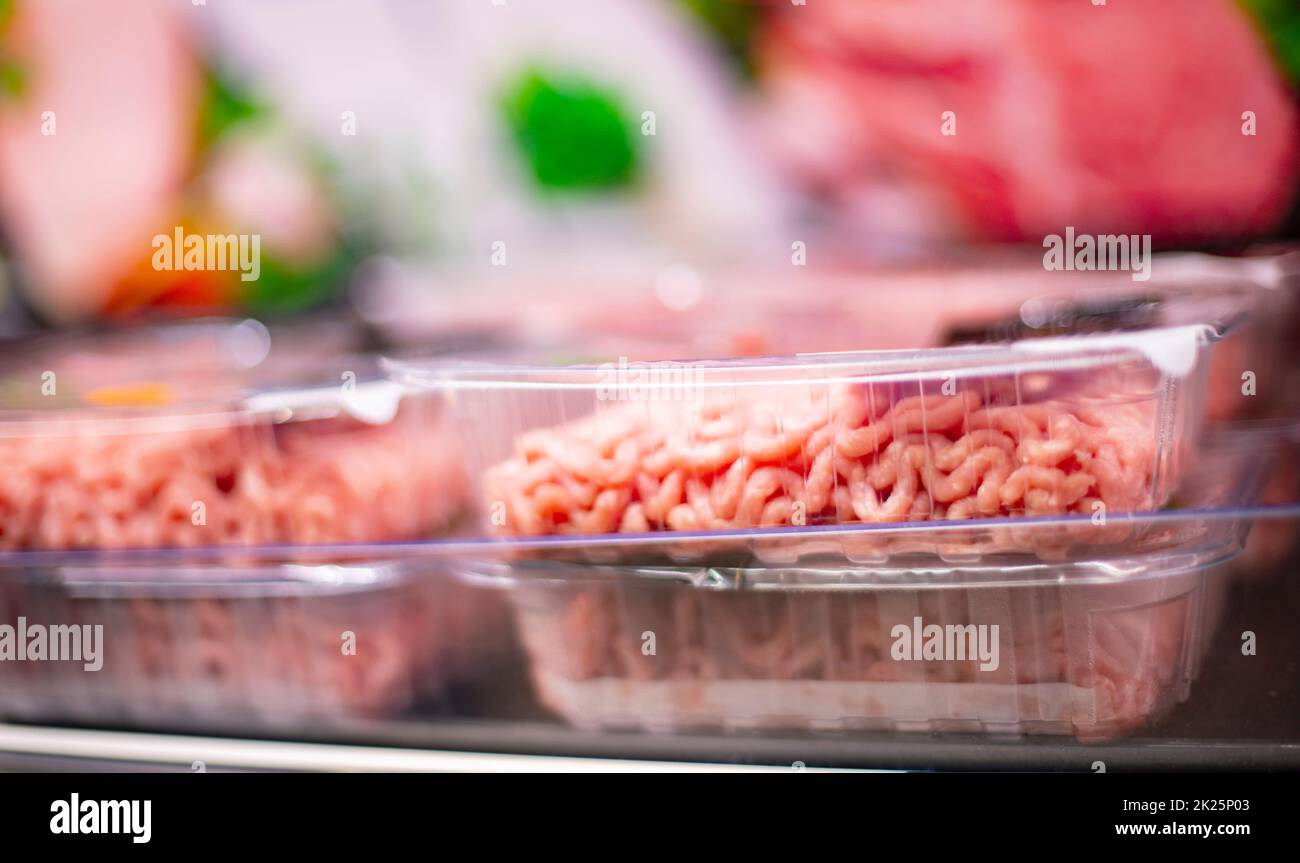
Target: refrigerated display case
point(1092, 571)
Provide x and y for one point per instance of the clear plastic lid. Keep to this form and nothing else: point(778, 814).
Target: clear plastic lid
point(197, 373)
point(1068, 425)
point(215, 433)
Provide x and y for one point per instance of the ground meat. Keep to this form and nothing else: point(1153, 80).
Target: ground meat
point(837, 455)
point(1092, 660)
point(246, 657)
point(101, 485)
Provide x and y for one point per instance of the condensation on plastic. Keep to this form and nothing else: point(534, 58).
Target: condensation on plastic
point(529, 430)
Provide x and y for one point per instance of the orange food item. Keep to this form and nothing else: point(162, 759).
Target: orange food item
point(143, 393)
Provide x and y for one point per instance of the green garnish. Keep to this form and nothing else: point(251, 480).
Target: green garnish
point(573, 134)
point(283, 288)
point(225, 104)
point(733, 25)
point(1279, 21)
point(13, 80)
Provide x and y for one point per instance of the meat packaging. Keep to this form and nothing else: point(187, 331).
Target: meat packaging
point(168, 439)
point(946, 640)
point(1087, 426)
point(1086, 649)
point(718, 313)
point(209, 435)
point(235, 645)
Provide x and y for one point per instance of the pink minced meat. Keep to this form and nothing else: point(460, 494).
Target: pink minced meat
point(219, 659)
point(1121, 665)
point(99, 486)
point(282, 654)
point(845, 456)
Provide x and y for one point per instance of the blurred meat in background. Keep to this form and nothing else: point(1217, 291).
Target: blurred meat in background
point(552, 142)
point(1123, 119)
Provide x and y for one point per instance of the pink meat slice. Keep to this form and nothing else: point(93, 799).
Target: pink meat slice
point(81, 205)
point(844, 455)
point(1111, 118)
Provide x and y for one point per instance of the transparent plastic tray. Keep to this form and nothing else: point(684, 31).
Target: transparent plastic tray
point(1249, 367)
point(1272, 542)
point(1089, 649)
point(207, 435)
point(245, 646)
point(1093, 647)
point(713, 313)
point(675, 311)
point(252, 638)
point(1091, 426)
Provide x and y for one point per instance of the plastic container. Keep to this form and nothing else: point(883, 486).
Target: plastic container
point(1092, 647)
point(677, 311)
point(1248, 369)
point(1089, 649)
point(236, 646)
point(206, 435)
point(1089, 427)
point(1273, 541)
